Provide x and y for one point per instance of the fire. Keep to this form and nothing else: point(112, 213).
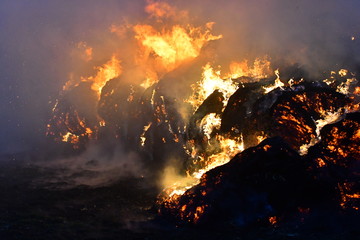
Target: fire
point(347, 198)
point(142, 137)
point(108, 71)
point(260, 69)
point(261, 137)
point(211, 81)
point(327, 118)
point(273, 220)
point(209, 123)
point(343, 72)
point(228, 149)
point(277, 84)
point(161, 48)
point(170, 46)
point(70, 137)
point(344, 87)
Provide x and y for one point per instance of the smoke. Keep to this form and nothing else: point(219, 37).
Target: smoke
point(315, 34)
point(45, 44)
point(98, 165)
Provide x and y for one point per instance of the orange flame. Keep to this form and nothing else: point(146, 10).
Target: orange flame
point(108, 71)
point(260, 69)
point(170, 47)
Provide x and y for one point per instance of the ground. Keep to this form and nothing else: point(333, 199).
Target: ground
point(122, 210)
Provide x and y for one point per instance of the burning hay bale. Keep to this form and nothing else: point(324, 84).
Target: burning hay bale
point(272, 180)
point(294, 113)
point(336, 159)
point(289, 112)
point(72, 121)
point(260, 182)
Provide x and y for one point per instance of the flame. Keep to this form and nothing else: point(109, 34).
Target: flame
point(345, 86)
point(277, 84)
point(261, 137)
point(228, 149)
point(102, 123)
point(70, 137)
point(346, 197)
point(273, 220)
point(343, 72)
point(327, 118)
point(260, 69)
point(209, 123)
point(108, 71)
point(142, 137)
point(169, 47)
point(211, 81)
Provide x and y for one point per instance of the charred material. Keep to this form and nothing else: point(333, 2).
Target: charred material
point(72, 121)
point(336, 159)
point(290, 112)
point(212, 104)
point(294, 113)
point(262, 181)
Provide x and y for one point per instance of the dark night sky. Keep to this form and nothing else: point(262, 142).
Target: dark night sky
point(37, 37)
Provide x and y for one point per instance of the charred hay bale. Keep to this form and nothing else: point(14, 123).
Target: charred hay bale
point(340, 142)
point(239, 107)
point(119, 102)
point(289, 112)
point(212, 104)
point(293, 114)
point(336, 158)
point(163, 133)
point(262, 181)
point(72, 121)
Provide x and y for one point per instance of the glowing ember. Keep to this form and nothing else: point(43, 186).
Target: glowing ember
point(273, 220)
point(327, 118)
point(142, 137)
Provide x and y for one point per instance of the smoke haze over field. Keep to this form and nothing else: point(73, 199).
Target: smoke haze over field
point(39, 46)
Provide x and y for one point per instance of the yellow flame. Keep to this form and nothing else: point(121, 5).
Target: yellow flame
point(277, 84)
point(326, 118)
point(261, 138)
point(175, 185)
point(209, 123)
point(142, 137)
point(165, 49)
point(343, 72)
point(70, 138)
point(211, 81)
point(108, 71)
point(345, 86)
point(260, 69)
